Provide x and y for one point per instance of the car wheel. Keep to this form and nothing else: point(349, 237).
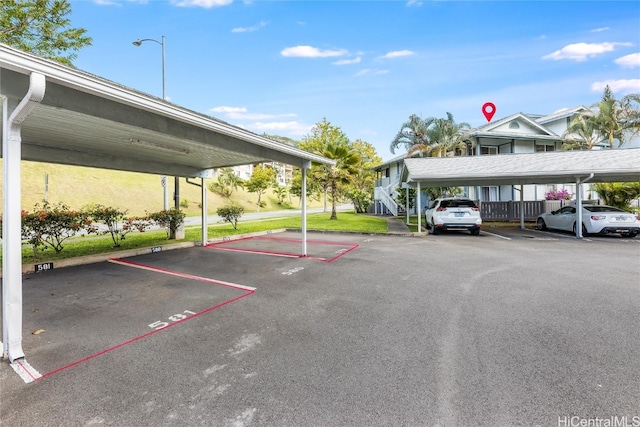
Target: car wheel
point(584, 230)
point(475, 231)
point(540, 224)
point(434, 230)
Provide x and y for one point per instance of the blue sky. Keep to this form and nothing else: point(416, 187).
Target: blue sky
point(281, 66)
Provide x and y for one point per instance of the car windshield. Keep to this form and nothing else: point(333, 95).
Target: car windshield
point(461, 203)
point(603, 209)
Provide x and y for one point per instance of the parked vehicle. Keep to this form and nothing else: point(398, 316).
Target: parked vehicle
point(596, 219)
point(453, 213)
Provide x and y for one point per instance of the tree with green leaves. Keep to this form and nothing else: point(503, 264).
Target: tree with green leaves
point(412, 133)
point(618, 119)
point(313, 190)
point(227, 183)
point(262, 178)
point(360, 191)
point(41, 27)
point(445, 138)
point(618, 194)
point(333, 177)
point(322, 135)
point(583, 133)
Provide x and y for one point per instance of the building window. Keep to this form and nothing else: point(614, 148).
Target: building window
point(514, 125)
point(540, 148)
point(488, 150)
point(489, 194)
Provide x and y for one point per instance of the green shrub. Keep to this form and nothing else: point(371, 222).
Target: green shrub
point(231, 214)
point(170, 219)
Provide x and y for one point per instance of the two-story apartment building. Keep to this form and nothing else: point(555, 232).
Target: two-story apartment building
point(517, 133)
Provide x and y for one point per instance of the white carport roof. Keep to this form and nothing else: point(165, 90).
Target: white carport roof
point(532, 168)
point(57, 114)
point(89, 121)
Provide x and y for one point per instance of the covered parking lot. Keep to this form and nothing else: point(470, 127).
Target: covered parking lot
point(449, 330)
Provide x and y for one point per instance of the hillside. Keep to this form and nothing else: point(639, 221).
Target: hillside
point(137, 192)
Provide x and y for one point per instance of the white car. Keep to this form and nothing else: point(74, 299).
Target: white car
point(453, 213)
point(596, 219)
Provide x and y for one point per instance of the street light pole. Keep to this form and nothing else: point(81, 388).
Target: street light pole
point(176, 179)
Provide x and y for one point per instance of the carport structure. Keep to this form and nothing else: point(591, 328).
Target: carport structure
point(58, 114)
point(622, 165)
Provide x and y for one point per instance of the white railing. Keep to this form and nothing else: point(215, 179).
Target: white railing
point(388, 201)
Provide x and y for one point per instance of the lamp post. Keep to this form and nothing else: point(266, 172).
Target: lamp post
point(176, 179)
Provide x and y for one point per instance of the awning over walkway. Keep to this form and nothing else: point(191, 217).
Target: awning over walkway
point(517, 169)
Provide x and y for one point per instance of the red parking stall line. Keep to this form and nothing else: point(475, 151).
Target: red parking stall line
point(248, 291)
point(138, 338)
point(252, 251)
point(183, 275)
point(342, 254)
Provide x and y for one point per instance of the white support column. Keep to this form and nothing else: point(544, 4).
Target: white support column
point(205, 223)
point(419, 205)
point(12, 221)
point(578, 209)
point(305, 165)
point(521, 207)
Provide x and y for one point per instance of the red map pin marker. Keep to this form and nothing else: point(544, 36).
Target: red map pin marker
point(488, 109)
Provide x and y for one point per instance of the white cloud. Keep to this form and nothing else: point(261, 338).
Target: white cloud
point(624, 86)
point(207, 4)
point(225, 109)
point(414, 3)
point(291, 128)
point(109, 3)
point(241, 113)
point(397, 54)
point(310, 52)
point(629, 61)
point(582, 51)
point(600, 30)
point(367, 71)
point(249, 29)
point(348, 61)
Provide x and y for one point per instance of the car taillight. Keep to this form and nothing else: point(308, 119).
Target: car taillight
point(638, 217)
point(440, 209)
point(475, 208)
point(597, 217)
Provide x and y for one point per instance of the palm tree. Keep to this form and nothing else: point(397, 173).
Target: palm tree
point(583, 133)
point(342, 173)
point(445, 136)
point(630, 105)
point(412, 133)
point(616, 119)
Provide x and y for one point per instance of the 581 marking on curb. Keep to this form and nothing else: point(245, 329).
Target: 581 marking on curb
point(293, 270)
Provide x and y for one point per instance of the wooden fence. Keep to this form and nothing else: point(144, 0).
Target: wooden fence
point(510, 211)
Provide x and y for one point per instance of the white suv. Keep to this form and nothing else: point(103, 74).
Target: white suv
point(453, 213)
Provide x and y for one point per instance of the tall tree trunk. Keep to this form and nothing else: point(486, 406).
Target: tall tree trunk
point(334, 194)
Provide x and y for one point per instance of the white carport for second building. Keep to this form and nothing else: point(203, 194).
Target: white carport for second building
point(622, 165)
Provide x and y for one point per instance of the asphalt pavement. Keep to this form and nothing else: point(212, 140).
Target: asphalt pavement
point(448, 330)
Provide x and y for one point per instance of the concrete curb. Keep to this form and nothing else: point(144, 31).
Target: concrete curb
point(91, 259)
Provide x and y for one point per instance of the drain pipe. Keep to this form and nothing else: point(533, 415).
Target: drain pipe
point(579, 204)
point(12, 243)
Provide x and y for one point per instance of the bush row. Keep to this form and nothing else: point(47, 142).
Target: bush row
point(49, 225)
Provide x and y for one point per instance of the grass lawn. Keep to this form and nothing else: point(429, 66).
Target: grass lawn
point(91, 245)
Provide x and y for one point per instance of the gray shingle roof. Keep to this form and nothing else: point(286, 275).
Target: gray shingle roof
point(532, 168)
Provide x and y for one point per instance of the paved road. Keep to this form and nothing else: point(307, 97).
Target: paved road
point(450, 330)
point(252, 216)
